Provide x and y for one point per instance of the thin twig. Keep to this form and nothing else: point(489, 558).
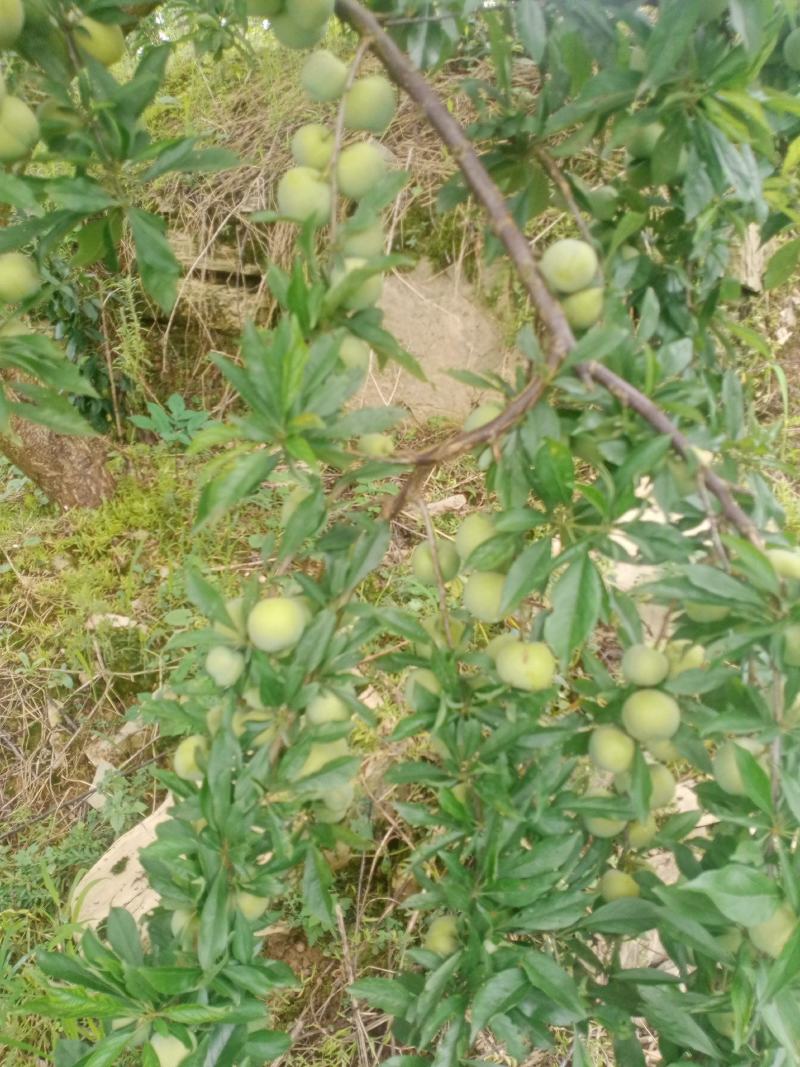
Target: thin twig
point(563, 186)
point(437, 570)
point(338, 131)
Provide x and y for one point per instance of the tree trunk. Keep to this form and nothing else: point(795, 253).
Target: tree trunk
point(71, 471)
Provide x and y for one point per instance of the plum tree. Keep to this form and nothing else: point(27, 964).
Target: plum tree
point(370, 104)
point(190, 756)
point(277, 623)
point(641, 832)
point(644, 666)
point(359, 169)
point(650, 715)
point(225, 665)
point(303, 196)
point(483, 595)
point(785, 562)
point(376, 444)
point(481, 415)
point(526, 665)
point(326, 707)
point(616, 885)
point(771, 936)
point(569, 265)
point(610, 749)
point(12, 19)
point(726, 766)
point(441, 936)
point(312, 146)
point(102, 41)
point(422, 689)
point(324, 76)
point(583, 309)
point(473, 531)
point(422, 562)
point(169, 1050)
point(19, 278)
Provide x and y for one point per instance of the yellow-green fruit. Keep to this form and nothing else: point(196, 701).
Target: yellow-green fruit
point(238, 631)
point(214, 718)
point(569, 265)
point(483, 594)
point(526, 665)
point(292, 35)
point(188, 757)
point(327, 707)
point(422, 689)
point(224, 665)
point(180, 920)
point(336, 803)
point(360, 168)
point(312, 146)
point(367, 242)
point(791, 645)
point(785, 562)
point(699, 612)
point(473, 531)
point(323, 76)
point(310, 14)
point(583, 309)
point(684, 656)
point(615, 885)
point(641, 833)
point(322, 753)
point(663, 750)
point(242, 719)
point(644, 666)
point(264, 9)
point(12, 19)
point(603, 201)
point(644, 139)
point(442, 936)
point(252, 698)
point(303, 195)
point(499, 642)
point(599, 825)
point(376, 444)
point(251, 906)
point(19, 129)
point(724, 1022)
point(100, 40)
point(791, 50)
point(369, 104)
point(19, 277)
point(610, 749)
point(354, 353)
point(772, 935)
point(663, 785)
point(481, 415)
point(364, 295)
point(277, 623)
point(731, 940)
point(650, 715)
point(170, 1052)
point(726, 767)
point(422, 562)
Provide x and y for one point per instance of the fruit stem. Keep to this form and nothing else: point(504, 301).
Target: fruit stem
point(556, 176)
point(431, 536)
point(338, 132)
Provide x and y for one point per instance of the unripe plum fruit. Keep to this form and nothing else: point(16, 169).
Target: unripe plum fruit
point(170, 1052)
point(791, 50)
point(377, 445)
point(292, 35)
point(366, 242)
point(473, 531)
point(650, 715)
point(19, 278)
point(569, 265)
point(19, 130)
point(364, 295)
point(663, 785)
point(264, 9)
point(791, 645)
point(700, 612)
point(369, 104)
point(616, 885)
point(251, 906)
point(326, 707)
point(214, 718)
point(724, 1022)
point(771, 936)
point(312, 146)
point(785, 562)
point(188, 757)
point(235, 610)
point(483, 595)
point(323, 76)
point(442, 936)
point(684, 656)
point(601, 825)
point(583, 309)
point(643, 140)
point(310, 14)
point(12, 19)
point(181, 920)
point(663, 750)
point(422, 562)
point(641, 833)
point(644, 666)
point(610, 749)
point(526, 665)
point(354, 353)
point(100, 40)
point(422, 689)
point(303, 195)
point(336, 803)
point(499, 642)
point(726, 767)
point(277, 623)
point(225, 665)
point(481, 415)
point(359, 169)
point(322, 753)
point(604, 200)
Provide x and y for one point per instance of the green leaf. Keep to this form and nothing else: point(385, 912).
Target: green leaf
point(742, 894)
point(81, 195)
point(212, 939)
point(629, 916)
point(235, 483)
point(531, 27)
point(546, 974)
point(158, 267)
point(40, 357)
point(123, 936)
point(66, 968)
point(50, 409)
point(786, 967)
point(19, 193)
point(576, 599)
point(264, 1046)
point(528, 572)
point(317, 895)
point(665, 1010)
point(552, 475)
point(666, 44)
point(386, 994)
point(782, 264)
point(501, 992)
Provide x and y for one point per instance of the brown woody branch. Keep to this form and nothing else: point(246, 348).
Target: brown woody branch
point(516, 244)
